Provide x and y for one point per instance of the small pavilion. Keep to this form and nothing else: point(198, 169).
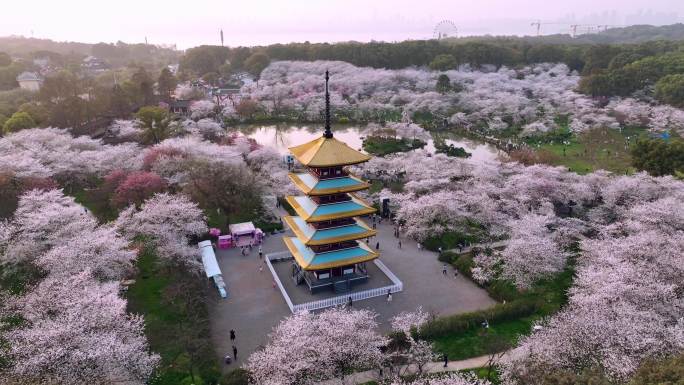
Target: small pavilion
point(328, 250)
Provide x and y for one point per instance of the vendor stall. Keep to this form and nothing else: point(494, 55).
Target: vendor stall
point(245, 234)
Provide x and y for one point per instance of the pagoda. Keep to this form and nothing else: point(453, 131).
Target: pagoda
point(327, 248)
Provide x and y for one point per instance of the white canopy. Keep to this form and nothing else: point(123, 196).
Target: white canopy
point(242, 228)
point(211, 267)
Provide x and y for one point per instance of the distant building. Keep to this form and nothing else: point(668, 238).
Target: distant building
point(94, 65)
point(180, 107)
point(30, 81)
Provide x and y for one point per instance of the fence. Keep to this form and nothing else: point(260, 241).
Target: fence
point(396, 286)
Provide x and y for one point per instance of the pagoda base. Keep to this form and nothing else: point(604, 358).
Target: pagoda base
point(338, 280)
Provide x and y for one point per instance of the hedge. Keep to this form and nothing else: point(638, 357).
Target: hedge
point(459, 323)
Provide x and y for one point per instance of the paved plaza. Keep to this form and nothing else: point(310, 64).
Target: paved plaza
point(254, 306)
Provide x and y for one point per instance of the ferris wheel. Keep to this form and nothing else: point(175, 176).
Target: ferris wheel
point(444, 29)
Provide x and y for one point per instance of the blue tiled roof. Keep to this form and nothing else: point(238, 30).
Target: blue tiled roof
point(316, 210)
point(316, 184)
point(337, 256)
point(335, 232)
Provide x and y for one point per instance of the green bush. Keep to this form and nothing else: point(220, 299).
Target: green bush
point(237, 376)
point(464, 263)
point(287, 206)
point(18, 121)
point(459, 323)
point(451, 239)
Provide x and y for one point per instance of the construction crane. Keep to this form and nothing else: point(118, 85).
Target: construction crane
point(538, 24)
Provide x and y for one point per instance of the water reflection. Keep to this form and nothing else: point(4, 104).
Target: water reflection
point(282, 136)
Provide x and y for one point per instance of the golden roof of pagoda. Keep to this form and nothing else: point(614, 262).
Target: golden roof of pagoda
point(327, 152)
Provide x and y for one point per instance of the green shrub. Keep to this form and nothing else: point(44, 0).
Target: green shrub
point(287, 206)
point(464, 263)
point(451, 239)
point(18, 121)
point(459, 323)
point(237, 376)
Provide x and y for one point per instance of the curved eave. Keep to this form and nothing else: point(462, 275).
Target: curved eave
point(310, 242)
point(310, 266)
point(366, 209)
point(303, 187)
point(327, 152)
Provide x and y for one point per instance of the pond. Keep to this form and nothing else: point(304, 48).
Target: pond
point(282, 136)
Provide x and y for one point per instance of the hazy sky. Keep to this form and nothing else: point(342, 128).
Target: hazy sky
point(248, 22)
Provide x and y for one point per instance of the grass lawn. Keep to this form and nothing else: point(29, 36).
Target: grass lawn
point(176, 321)
point(598, 149)
point(96, 204)
point(551, 295)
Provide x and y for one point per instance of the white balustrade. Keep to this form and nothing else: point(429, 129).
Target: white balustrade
point(396, 286)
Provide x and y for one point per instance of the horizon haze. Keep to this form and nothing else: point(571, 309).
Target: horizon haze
point(264, 22)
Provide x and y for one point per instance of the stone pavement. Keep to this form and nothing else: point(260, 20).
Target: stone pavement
point(254, 306)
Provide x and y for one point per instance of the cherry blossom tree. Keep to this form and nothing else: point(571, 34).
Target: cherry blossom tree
point(76, 331)
point(531, 253)
point(306, 348)
point(625, 306)
point(44, 152)
point(168, 222)
point(449, 379)
point(201, 109)
point(136, 187)
point(45, 219)
point(101, 251)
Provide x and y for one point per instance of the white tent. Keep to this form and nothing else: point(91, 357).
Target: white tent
point(243, 228)
point(211, 267)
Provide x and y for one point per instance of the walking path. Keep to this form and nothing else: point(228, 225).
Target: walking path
point(432, 367)
point(491, 245)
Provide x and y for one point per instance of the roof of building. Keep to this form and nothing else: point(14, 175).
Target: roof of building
point(179, 103)
point(307, 259)
point(309, 235)
point(211, 267)
point(326, 152)
point(310, 185)
point(311, 211)
point(28, 76)
point(242, 228)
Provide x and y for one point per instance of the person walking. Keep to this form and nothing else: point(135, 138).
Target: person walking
point(444, 269)
point(400, 244)
point(234, 353)
point(420, 247)
point(377, 245)
point(446, 360)
point(349, 301)
point(261, 253)
point(232, 335)
point(389, 295)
